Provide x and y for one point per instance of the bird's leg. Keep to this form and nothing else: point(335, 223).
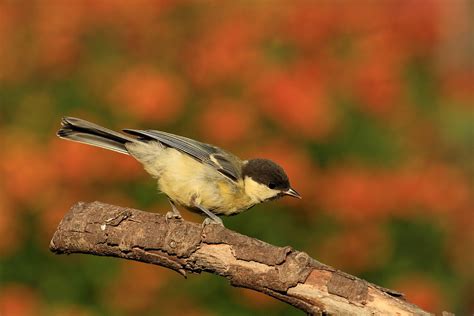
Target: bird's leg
point(212, 219)
point(174, 213)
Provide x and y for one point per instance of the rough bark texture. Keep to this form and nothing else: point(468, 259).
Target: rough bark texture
point(282, 272)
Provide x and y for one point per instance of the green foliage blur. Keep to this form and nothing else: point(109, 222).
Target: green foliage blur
point(367, 105)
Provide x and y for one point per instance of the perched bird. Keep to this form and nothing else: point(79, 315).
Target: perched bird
point(201, 177)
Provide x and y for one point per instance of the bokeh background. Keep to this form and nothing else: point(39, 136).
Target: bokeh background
point(367, 105)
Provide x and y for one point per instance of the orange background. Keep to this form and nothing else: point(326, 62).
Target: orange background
point(366, 104)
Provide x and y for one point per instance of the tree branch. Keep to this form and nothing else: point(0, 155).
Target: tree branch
point(282, 272)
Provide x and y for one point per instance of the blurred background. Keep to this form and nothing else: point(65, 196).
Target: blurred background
point(367, 105)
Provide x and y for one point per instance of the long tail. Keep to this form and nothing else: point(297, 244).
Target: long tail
point(85, 132)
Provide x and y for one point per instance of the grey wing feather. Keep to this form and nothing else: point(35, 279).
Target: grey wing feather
point(222, 161)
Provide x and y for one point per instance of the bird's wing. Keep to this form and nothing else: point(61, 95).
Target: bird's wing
point(224, 162)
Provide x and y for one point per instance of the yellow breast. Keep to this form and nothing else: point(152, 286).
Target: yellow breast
point(189, 182)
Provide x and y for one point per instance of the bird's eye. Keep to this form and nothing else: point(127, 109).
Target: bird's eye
point(272, 185)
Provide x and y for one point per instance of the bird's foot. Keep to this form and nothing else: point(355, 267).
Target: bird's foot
point(174, 213)
point(212, 221)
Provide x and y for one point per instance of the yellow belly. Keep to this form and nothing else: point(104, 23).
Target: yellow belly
point(189, 183)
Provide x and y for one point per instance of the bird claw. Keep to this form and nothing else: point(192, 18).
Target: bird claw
point(172, 215)
point(210, 221)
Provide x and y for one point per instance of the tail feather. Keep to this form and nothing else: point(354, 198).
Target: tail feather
point(85, 132)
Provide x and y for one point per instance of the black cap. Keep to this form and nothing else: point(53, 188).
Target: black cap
point(266, 172)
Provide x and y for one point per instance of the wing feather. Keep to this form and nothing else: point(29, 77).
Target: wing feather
point(224, 162)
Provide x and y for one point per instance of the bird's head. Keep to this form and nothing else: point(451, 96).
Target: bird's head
point(265, 180)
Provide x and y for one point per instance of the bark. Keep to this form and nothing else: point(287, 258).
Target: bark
point(281, 272)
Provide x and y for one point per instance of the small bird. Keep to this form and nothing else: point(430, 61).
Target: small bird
point(200, 177)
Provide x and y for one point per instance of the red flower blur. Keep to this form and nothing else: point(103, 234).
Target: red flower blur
point(226, 121)
point(297, 102)
point(149, 95)
point(367, 107)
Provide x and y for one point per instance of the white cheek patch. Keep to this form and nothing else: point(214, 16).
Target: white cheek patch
point(258, 192)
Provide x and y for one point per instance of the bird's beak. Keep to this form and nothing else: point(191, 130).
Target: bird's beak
point(293, 193)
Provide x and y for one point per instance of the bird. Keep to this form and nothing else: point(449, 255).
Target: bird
point(200, 177)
